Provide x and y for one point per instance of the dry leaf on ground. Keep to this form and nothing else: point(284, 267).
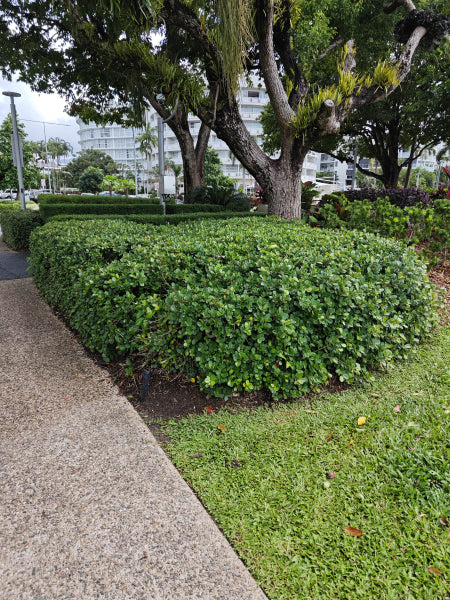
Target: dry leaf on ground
point(353, 531)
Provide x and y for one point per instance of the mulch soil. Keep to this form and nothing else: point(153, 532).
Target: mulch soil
point(171, 396)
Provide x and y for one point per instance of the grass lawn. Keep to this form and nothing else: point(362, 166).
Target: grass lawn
point(284, 482)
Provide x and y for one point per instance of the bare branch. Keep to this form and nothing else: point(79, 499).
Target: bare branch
point(334, 44)
point(390, 7)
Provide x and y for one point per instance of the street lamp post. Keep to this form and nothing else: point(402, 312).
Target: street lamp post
point(17, 147)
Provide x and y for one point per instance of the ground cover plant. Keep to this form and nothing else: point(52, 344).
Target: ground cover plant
point(241, 305)
point(343, 496)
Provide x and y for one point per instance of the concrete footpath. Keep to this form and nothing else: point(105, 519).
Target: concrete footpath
point(90, 506)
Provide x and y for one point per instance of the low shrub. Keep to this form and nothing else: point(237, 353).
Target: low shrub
point(158, 219)
point(239, 305)
point(17, 226)
point(6, 205)
point(228, 199)
point(176, 209)
point(401, 197)
point(412, 224)
point(49, 210)
point(94, 199)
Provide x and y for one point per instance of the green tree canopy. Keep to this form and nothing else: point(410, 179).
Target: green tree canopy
point(90, 158)
point(90, 180)
point(8, 172)
point(214, 175)
point(320, 60)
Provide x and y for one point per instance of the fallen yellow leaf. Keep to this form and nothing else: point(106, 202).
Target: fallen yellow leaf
point(221, 428)
point(351, 442)
point(353, 531)
point(192, 379)
point(361, 420)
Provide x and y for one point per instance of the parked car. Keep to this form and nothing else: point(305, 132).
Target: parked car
point(8, 194)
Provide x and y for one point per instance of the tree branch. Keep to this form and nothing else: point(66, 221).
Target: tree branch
point(277, 94)
point(334, 44)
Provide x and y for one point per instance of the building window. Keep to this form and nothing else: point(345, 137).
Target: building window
point(252, 94)
point(105, 133)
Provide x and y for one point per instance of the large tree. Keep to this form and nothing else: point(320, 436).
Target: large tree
point(8, 172)
point(305, 50)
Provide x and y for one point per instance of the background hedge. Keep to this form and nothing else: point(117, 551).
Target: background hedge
point(93, 199)
point(49, 210)
point(243, 304)
point(17, 226)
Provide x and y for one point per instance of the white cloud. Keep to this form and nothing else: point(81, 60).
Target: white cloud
point(34, 109)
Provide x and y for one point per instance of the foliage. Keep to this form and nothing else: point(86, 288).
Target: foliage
point(94, 199)
point(401, 197)
point(90, 158)
point(176, 209)
point(6, 205)
point(167, 219)
point(423, 177)
point(214, 177)
point(239, 305)
point(17, 226)
point(8, 172)
point(90, 180)
point(410, 118)
point(309, 193)
point(99, 208)
point(413, 224)
point(221, 196)
point(283, 481)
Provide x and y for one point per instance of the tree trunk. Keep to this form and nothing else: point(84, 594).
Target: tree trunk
point(283, 192)
point(191, 168)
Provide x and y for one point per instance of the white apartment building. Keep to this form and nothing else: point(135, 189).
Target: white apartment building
point(116, 141)
point(119, 142)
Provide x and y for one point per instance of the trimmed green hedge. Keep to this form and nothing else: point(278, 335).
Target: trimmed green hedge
point(158, 219)
point(243, 304)
point(93, 199)
point(17, 226)
point(49, 210)
point(176, 209)
point(7, 205)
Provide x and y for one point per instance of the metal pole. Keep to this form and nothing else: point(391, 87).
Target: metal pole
point(355, 159)
point(161, 161)
point(135, 166)
point(17, 147)
point(46, 161)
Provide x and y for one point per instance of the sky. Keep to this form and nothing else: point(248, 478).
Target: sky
point(34, 109)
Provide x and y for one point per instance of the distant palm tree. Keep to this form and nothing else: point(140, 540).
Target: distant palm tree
point(57, 148)
point(147, 141)
point(177, 171)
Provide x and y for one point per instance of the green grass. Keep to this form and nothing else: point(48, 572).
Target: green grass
point(264, 481)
